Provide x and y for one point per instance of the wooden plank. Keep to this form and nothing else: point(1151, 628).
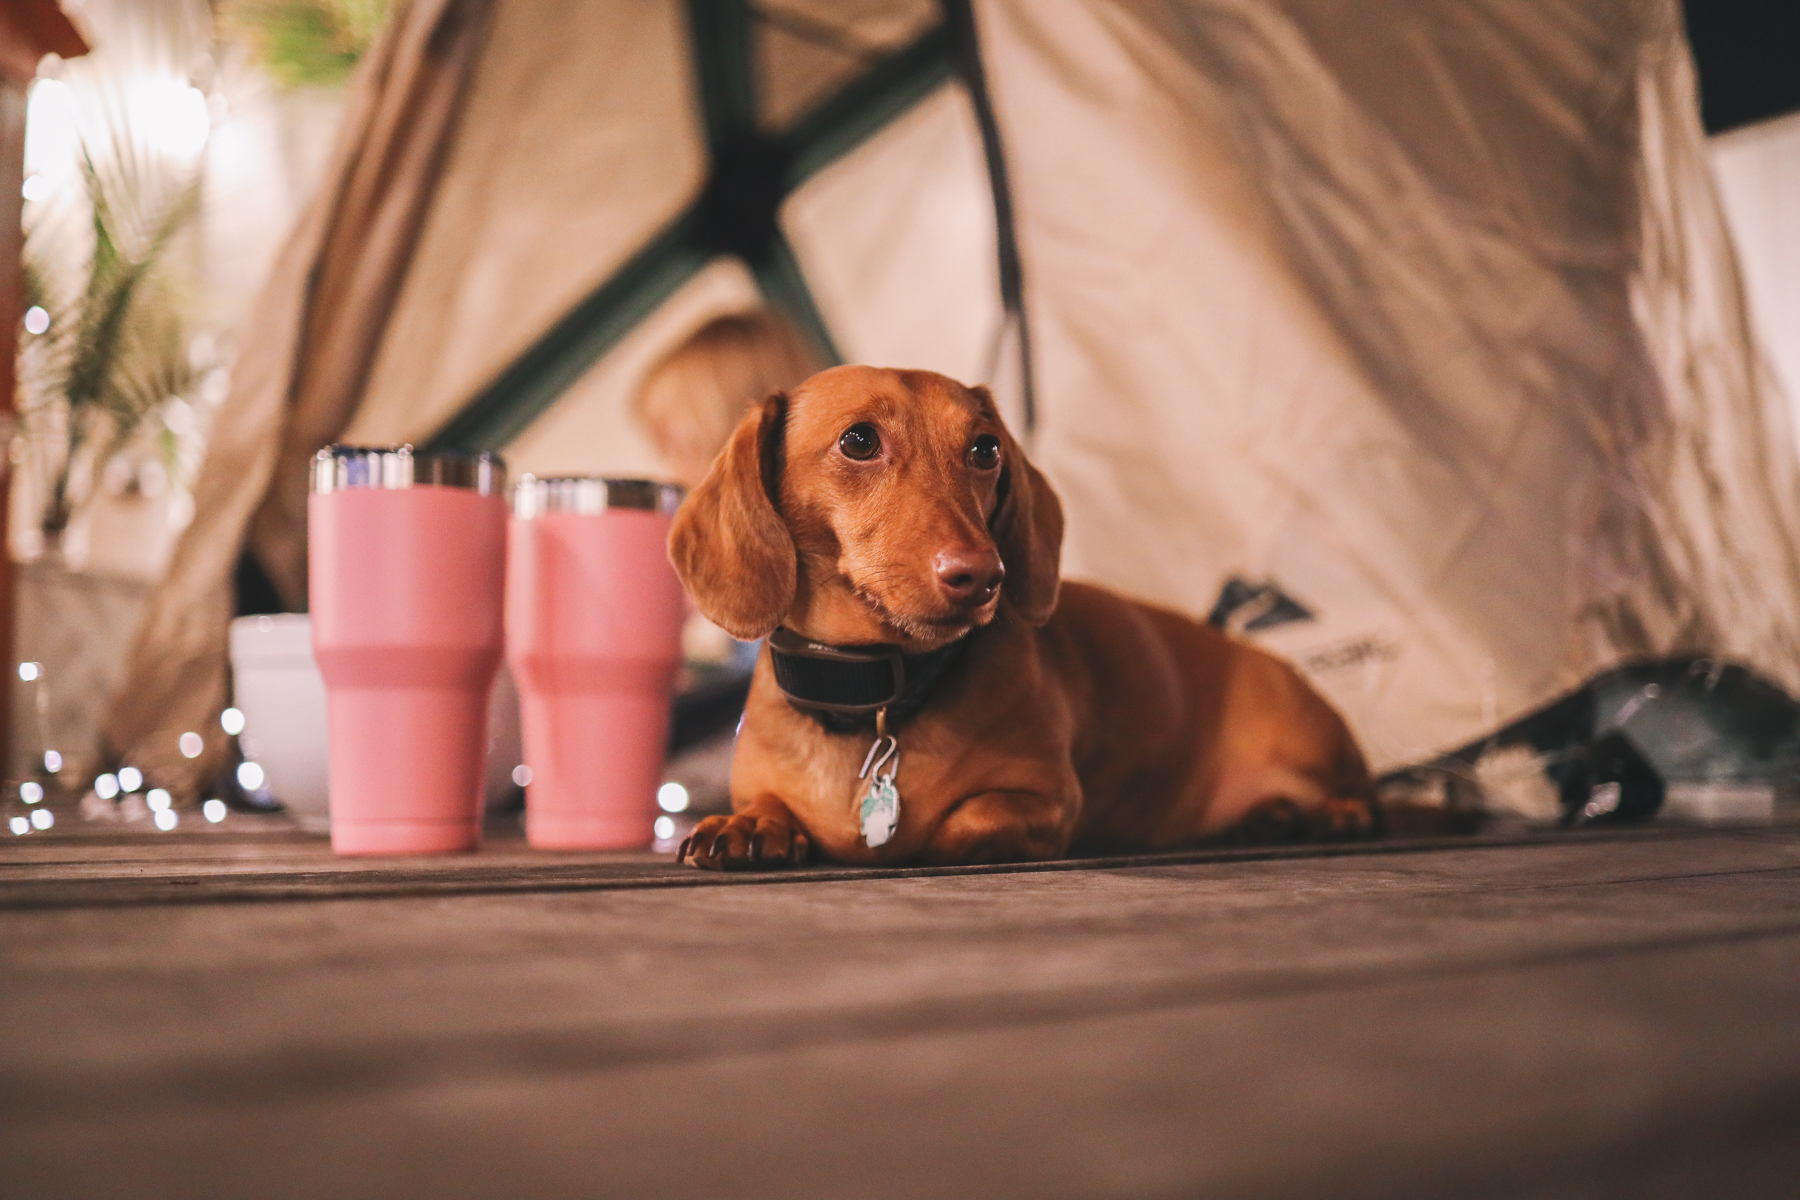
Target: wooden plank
point(1570, 1017)
point(1584, 1079)
point(879, 954)
point(310, 871)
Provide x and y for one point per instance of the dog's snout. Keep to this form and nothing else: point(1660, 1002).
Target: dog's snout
point(969, 577)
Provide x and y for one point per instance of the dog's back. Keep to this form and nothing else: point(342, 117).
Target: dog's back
point(1184, 732)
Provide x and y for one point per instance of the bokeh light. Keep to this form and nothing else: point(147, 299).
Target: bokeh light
point(174, 114)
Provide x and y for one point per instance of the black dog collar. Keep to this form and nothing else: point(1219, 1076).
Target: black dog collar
point(845, 686)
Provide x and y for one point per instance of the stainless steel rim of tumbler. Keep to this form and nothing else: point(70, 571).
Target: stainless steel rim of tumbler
point(336, 468)
point(591, 494)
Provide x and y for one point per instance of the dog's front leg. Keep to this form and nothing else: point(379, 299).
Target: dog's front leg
point(763, 835)
point(999, 827)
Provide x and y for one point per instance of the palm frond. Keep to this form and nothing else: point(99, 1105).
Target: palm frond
point(116, 348)
point(117, 282)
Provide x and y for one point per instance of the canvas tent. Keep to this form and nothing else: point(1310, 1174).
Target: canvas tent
point(1414, 321)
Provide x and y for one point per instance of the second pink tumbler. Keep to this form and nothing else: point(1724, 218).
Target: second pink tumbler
point(593, 633)
point(406, 554)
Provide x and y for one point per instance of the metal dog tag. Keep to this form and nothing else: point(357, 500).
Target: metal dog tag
point(879, 813)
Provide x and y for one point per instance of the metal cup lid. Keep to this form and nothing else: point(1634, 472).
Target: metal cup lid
point(338, 467)
point(591, 494)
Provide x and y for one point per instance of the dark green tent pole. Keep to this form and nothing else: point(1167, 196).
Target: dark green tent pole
point(865, 104)
point(779, 278)
point(724, 68)
point(740, 207)
point(959, 18)
point(532, 382)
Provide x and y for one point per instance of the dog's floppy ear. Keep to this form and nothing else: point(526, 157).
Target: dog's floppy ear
point(729, 544)
point(1028, 527)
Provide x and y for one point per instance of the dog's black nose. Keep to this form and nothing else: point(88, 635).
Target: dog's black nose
point(969, 577)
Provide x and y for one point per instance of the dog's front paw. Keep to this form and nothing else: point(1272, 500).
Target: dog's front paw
point(744, 842)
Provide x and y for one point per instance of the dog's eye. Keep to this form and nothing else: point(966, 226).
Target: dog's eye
point(984, 452)
point(860, 442)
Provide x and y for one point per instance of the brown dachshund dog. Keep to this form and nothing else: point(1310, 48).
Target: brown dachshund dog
point(874, 510)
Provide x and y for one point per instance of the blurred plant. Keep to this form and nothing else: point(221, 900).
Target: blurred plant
point(305, 42)
point(115, 349)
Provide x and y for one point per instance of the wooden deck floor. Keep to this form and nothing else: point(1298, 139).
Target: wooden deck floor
point(241, 1015)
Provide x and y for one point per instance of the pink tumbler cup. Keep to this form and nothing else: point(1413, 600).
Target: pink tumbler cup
point(593, 633)
point(407, 555)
